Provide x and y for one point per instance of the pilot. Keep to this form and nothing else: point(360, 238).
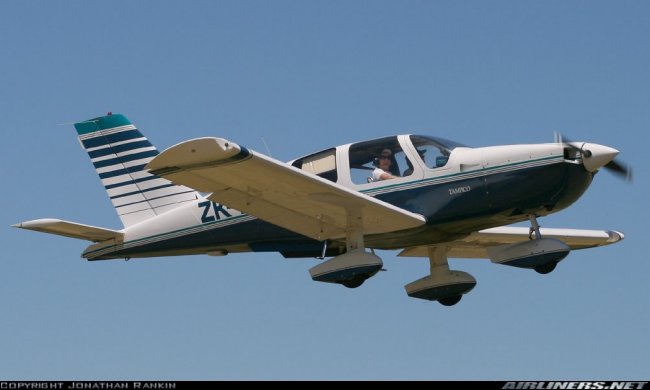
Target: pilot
point(385, 161)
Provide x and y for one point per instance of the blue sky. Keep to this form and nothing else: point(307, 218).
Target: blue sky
point(304, 76)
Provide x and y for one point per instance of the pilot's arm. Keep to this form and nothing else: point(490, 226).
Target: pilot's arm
point(379, 174)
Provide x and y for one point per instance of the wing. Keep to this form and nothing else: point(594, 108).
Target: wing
point(276, 192)
point(475, 245)
point(71, 229)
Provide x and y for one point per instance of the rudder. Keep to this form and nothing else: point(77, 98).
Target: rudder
point(119, 153)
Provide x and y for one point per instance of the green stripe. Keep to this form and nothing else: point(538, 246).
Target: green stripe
point(430, 179)
point(101, 123)
point(169, 233)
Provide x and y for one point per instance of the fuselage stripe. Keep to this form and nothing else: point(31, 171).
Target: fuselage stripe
point(464, 175)
point(169, 235)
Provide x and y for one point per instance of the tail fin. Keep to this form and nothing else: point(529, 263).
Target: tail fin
point(119, 153)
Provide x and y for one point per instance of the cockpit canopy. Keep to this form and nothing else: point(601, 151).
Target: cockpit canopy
point(363, 158)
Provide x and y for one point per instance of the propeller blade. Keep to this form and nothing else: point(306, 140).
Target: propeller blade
point(620, 169)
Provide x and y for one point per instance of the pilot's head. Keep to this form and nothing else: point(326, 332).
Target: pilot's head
point(385, 159)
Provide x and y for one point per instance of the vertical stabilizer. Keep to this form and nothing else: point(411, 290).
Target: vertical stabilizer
point(119, 153)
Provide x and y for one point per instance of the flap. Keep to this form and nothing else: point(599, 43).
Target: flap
point(277, 192)
point(475, 245)
point(71, 229)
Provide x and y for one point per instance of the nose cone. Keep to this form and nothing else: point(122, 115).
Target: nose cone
point(595, 156)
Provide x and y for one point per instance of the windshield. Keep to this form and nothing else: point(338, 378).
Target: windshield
point(434, 151)
point(442, 143)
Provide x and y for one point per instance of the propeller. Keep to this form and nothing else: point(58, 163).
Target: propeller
point(595, 156)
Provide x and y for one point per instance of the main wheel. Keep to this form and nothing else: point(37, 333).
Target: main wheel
point(545, 268)
point(450, 301)
point(355, 282)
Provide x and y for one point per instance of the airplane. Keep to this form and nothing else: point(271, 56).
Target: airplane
point(435, 198)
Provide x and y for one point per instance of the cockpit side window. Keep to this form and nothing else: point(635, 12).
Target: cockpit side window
point(322, 164)
point(434, 153)
point(378, 160)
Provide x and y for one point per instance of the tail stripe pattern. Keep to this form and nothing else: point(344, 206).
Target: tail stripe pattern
point(119, 153)
point(125, 158)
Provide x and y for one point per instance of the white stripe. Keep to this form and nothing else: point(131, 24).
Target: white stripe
point(124, 189)
point(163, 195)
point(165, 192)
point(105, 132)
point(139, 197)
point(155, 203)
point(116, 144)
point(133, 208)
point(125, 178)
point(121, 154)
point(136, 187)
point(129, 164)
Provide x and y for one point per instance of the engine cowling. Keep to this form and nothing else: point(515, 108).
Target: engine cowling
point(540, 253)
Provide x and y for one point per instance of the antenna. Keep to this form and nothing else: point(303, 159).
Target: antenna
point(268, 151)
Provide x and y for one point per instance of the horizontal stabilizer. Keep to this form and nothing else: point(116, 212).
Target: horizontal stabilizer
point(71, 229)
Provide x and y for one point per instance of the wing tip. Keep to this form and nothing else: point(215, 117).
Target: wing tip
point(35, 223)
point(615, 236)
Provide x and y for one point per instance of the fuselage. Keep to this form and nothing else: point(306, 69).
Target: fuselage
point(458, 189)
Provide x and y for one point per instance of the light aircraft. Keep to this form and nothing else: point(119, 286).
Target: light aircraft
point(438, 199)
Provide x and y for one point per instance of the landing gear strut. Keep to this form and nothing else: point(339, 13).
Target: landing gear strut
point(534, 229)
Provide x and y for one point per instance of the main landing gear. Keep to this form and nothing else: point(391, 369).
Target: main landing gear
point(539, 253)
point(535, 234)
point(442, 285)
point(534, 229)
point(353, 267)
